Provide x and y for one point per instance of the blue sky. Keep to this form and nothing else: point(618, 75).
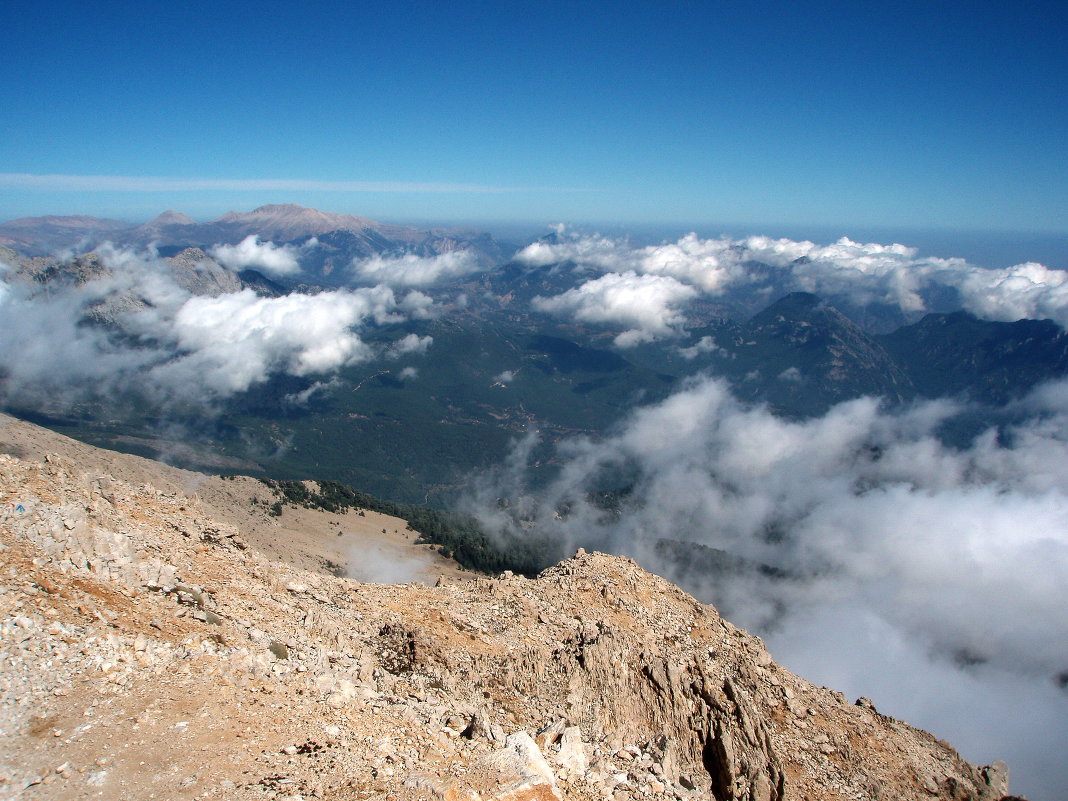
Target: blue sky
point(944, 115)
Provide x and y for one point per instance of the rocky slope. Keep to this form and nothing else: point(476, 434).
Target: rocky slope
point(150, 650)
point(800, 355)
point(959, 355)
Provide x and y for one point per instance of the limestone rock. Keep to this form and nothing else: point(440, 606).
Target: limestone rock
point(572, 756)
point(132, 627)
point(517, 772)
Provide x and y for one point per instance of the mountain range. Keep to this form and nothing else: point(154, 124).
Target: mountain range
point(849, 448)
point(343, 236)
point(800, 354)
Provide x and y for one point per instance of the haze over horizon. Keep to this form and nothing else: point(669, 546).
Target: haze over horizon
point(993, 249)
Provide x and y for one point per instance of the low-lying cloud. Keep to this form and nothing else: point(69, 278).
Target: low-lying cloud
point(853, 273)
point(704, 345)
point(411, 344)
point(229, 343)
point(412, 270)
point(901, 568)
point(647, 305)
point(133, 326)
point(279, 260)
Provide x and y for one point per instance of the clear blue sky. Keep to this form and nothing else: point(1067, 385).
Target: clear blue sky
point(936, 114)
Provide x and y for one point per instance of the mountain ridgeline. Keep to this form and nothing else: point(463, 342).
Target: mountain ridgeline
point(413, 425)
point(160, 613)
point(340, 237)
point(777, 452)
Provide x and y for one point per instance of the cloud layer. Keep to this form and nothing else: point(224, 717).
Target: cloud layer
point(232, 342)
point(647, 305)
point(412, 270)
point(266, 256)
point(847, 272)
point(902, 569)
point(169, 344)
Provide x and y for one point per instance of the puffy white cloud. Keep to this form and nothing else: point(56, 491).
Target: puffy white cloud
point(646, 304)
point(303, 397)
point(49, 355)
point(177, 346)
point(912, 564)
point(266, 256)
point(415, 305)
point(594, 250)
point(409, 373)
point(861, 273)
point(505, 377)
point(412, 270)
point(1025, 290)
point(411, 343)
point(231, 342)
point(710, 264)
point(703, 345)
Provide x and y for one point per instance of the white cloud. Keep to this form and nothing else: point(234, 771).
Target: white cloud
point(646, 304)
point(48, 355)
point(44, 352)
point(411, 343)
point(861, 274)
point(908, 556)
point(593, 250)
point(266, 256)
point(232, 342)
point(412, 270)
point(1025, 290)
point(505, 377)
point(416, 305)
point(703, 345)
point(409, 373)
point(303, 397)
point(176, 346)
point(710, 264)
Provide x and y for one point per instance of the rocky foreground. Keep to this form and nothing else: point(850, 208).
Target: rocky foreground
point(149, 651)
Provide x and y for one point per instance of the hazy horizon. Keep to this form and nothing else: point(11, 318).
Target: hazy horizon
point(994, 248)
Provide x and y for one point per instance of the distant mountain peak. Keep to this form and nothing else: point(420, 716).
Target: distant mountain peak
point(345, 236)
point(69, 221)
point(284, 221)
point(171, 217)
point(41, 236)
point(284, 208)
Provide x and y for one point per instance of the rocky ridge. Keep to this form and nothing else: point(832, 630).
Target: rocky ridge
point(191, 270)
point(150, 651)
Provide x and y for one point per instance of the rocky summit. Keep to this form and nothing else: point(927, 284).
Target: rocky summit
point(150, 650)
